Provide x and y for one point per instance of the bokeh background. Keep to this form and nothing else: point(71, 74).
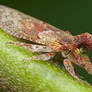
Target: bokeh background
point(72, 15)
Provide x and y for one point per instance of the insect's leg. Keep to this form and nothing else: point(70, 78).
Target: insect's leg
point(84, 39)
point(45, 56)
point(70, 68)
point(88, 67)
point(32, 47)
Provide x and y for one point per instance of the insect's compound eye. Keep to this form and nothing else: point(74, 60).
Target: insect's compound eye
point(77, 51)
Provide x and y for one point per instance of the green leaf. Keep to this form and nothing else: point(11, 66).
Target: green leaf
point(33, 76)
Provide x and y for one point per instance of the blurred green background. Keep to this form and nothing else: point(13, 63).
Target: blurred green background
point(72, 15)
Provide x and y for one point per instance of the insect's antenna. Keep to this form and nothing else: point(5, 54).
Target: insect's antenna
point(84, 40)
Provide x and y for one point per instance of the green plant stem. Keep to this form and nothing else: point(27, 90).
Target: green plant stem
point(32, 76)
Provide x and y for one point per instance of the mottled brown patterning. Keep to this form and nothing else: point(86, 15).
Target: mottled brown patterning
point(48, 39)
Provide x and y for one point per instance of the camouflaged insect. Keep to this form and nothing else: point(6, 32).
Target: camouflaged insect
point(48, 39)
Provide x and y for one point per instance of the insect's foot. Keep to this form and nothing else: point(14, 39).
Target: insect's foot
point(10, 42)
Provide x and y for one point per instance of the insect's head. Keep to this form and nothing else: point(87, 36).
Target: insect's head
point(80, 57)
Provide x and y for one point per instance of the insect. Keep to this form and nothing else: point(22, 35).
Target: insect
point(47, 39)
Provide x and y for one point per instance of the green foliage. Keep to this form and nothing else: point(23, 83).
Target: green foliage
point(32, 76)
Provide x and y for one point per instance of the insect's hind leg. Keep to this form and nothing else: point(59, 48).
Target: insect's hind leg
point(36, 48)
point(32, 47)
point(70, 68)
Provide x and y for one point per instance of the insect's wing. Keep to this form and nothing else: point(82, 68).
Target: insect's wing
point(17, 24)
point(23, 26)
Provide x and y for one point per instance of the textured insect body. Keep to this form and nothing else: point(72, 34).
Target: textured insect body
point(48, 39)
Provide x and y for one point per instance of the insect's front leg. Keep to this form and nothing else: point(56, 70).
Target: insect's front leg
point(70, 68)
point(88, 67)
point(84, 39)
